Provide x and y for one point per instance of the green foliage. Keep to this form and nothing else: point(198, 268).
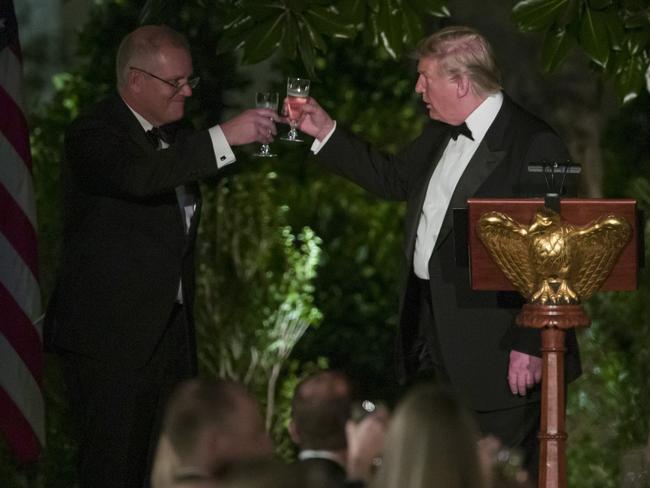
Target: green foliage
point(609, 407)
point(254, 287)
point(299, 28)
point(614, 34)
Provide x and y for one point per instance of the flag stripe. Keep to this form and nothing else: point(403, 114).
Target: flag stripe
point(10, 64)
point(17, 179)
point(21, 334)
point(17, 381)
point(19, 280)
point(20, 435)
point(14, 126)
point(17, 229)
point(22, 417)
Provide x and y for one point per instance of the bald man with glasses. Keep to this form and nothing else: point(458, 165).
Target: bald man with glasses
point(121, 318)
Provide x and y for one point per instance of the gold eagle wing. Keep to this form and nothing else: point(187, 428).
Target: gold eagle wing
point(595, 248)
point(507, 242)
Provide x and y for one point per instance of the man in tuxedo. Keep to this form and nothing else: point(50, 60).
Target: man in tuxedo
point(320, 408)
point(121, 317)
point(478, 143)
point(335, 451)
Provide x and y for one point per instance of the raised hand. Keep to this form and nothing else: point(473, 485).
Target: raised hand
point(314, 120)
point(253, 125)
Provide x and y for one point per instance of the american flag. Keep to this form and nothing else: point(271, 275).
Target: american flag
point(21, 355)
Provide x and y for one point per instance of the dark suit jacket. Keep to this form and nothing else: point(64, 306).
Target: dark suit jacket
point(475, 330)
point(125, 248)
point(323, 473)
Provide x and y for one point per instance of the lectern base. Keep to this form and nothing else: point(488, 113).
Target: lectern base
point(553, 320)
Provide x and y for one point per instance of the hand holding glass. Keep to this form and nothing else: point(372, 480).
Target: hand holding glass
point(266, 100)
point(297, 93)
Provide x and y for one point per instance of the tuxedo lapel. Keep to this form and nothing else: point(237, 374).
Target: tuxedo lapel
point(478, 170)
point(488, 156)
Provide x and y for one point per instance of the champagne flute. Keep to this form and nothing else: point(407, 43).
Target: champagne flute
point(297, 92)
point(266, 100)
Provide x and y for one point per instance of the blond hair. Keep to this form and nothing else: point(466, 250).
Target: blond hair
point(431, 442)
point(460, 51)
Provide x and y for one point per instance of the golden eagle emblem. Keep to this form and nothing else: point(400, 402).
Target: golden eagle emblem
point(550, 261)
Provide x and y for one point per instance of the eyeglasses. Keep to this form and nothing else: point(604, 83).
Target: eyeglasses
point(175, 84)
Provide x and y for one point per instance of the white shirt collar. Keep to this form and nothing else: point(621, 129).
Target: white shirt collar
point(146, 125)
point(480, 120)
point(320, 454)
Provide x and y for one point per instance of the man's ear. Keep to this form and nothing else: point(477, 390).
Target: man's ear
point(134, 81)
point(293, 432)
point(463, 86)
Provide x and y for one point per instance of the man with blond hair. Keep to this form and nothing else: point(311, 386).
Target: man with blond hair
point(121, 319)
point(478, 143)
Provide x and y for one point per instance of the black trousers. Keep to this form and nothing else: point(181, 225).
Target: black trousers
point(516, 428)
point(118, 412)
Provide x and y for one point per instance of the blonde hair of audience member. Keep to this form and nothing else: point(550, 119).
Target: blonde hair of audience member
point(431, 442)
point(462, 50)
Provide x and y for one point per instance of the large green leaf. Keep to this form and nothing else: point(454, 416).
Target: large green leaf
point(330, 22)
point(593, 36)
point(264, 39)
point(412, 30)
point(307, 54)
point(630, 76)
point(352, 10)
point(599, 4)
point(388, 29)
point(636, 20)
point(261, 10)
point(375, 5)
point(637, 41)
point(289, 43)
point(435, 8)
point(314, 36)
point(615, 28)
point(538, 15)
point(370, 33)
point(555, 48)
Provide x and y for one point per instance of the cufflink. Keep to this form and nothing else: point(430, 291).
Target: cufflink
point(222, 158)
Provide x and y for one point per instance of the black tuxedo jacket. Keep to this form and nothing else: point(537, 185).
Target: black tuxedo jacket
point(475, 331)
point(125, 247)
point(323, 472)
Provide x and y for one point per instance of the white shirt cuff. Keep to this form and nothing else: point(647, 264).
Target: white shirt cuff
point(317, 145)
point(222, 151)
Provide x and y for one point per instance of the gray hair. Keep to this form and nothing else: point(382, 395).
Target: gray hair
point(462, 50)
point(142, 45)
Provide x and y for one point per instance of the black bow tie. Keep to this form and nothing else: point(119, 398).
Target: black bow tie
point(157, 134)
point(457, 130)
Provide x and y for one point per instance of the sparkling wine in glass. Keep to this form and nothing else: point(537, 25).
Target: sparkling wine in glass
point(297, 93)
point(266, 100)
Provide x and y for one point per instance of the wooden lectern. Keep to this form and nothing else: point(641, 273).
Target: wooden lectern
point(553, 320)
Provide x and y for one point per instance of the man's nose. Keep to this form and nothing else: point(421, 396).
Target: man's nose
point(418, 86)
point(186, 90)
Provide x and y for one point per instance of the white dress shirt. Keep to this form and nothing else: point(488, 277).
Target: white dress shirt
point(445, 177)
